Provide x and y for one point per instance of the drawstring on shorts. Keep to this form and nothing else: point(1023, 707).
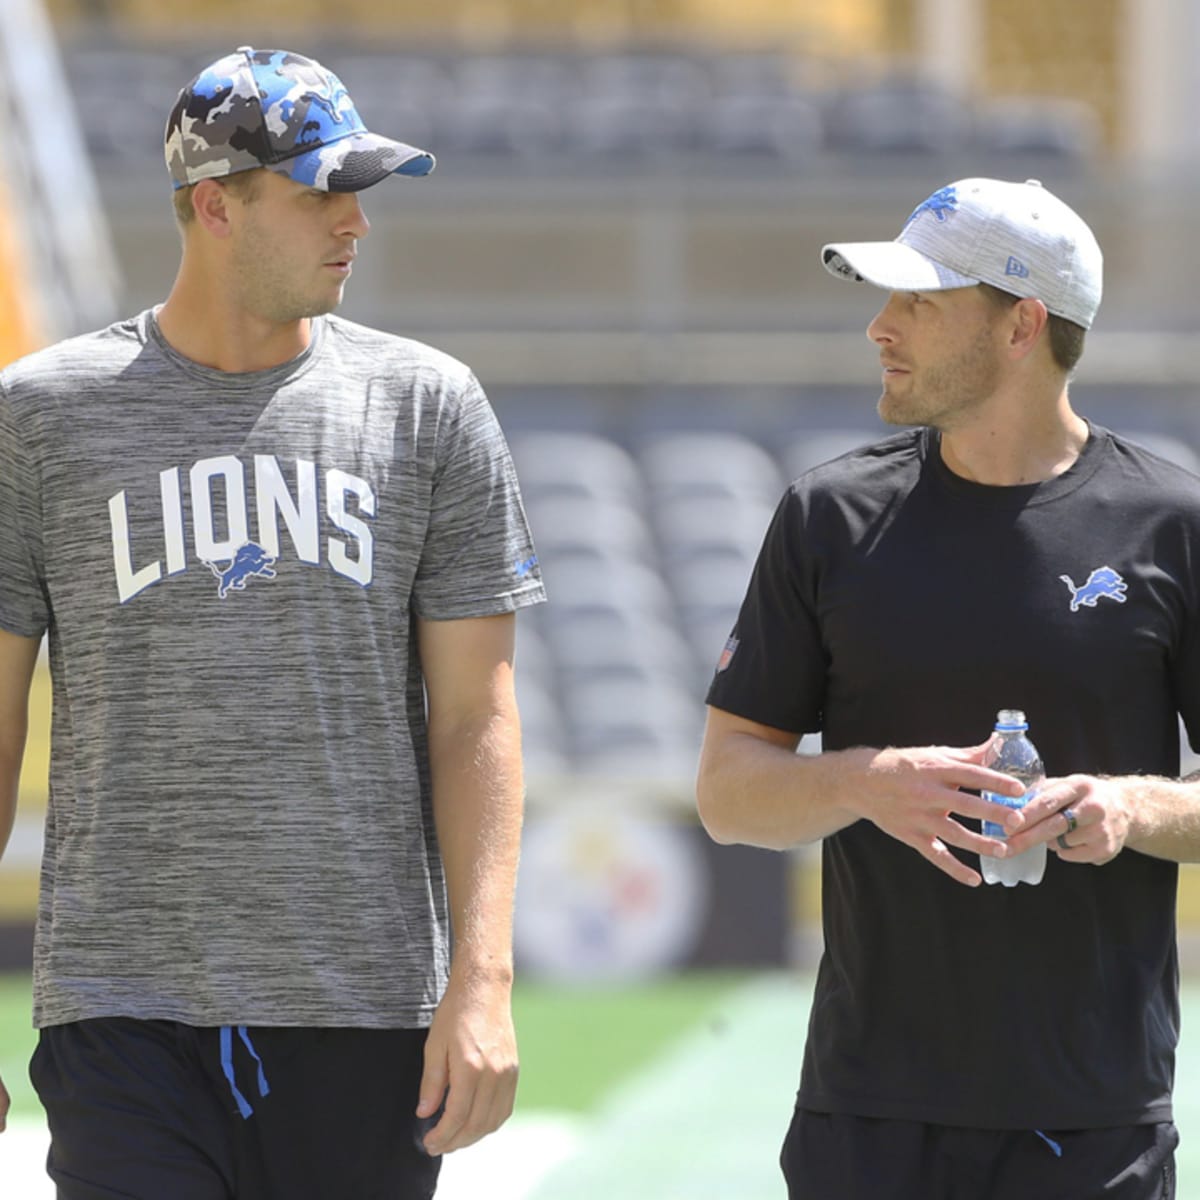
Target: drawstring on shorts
point(227, 1066)
point(1051, 1143)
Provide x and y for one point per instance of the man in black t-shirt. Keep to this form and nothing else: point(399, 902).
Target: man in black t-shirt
point(967, 1040)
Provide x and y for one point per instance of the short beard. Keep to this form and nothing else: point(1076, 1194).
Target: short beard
point(950, 391)
point(269, 294)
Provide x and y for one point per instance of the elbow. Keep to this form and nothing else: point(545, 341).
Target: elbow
point(714, 815)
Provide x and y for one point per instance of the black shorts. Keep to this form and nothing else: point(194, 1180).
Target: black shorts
point(155, 1110)
point(834, 1156)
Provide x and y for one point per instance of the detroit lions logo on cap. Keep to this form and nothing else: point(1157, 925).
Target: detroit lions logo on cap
point(941, 204)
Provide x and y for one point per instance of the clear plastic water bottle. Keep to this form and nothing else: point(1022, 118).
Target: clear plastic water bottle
point(1012, 753)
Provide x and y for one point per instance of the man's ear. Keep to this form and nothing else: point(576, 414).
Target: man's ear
point(1029, 319)
point(211, 202)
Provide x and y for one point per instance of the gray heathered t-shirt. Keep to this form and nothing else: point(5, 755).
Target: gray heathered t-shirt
point(240, 828)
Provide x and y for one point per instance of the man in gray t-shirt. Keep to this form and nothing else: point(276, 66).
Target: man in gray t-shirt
point(278, 557)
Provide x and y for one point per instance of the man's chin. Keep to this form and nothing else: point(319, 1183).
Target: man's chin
point(892, 412)
point(319, 308)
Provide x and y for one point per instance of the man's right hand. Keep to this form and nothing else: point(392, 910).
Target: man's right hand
point(913, 794)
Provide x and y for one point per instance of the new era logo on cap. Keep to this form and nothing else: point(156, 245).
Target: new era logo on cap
point(285, 112)
point(1017, 237)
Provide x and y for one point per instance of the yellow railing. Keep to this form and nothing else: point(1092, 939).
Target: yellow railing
point(861, 25)
point(20, 327)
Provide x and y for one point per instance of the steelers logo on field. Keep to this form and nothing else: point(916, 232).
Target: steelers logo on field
point(608, 896)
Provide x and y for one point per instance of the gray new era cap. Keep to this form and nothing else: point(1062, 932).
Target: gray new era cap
point(285, 112)
point(1015, 236)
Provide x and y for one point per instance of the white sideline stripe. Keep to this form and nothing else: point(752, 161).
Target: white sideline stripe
point(23, 1161)
point(510, 1163)
point(505, 1166)
point(707, 1120)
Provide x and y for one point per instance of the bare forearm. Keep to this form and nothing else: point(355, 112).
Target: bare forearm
point(753, 788)
point(759, 794)
point(17, 658)
point(1164, 816)
point(8, 806)
point(478, 802)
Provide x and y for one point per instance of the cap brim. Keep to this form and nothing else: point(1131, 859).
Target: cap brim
point(356, 162)
point(891, 265)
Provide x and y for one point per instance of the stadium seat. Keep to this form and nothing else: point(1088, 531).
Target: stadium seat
point(533, 657)
point(599, 642)
point(566, 525)
point(819, 446)
point(709, 463)
point(670, 79)
point(626, 726)
point(1051, 127)
point(543, 734)
point(591, 577)
point(560, 464)
point(141, 86)
point(707, 634)
point(511, 125)
point(905, 116)
point(712, 581)
point(637, 126)
point(691, 525)
point(710, 590)
point(404, 93)
point(758, 74)
point(789, 128)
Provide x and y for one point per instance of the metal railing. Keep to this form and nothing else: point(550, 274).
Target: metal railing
point(53, 199)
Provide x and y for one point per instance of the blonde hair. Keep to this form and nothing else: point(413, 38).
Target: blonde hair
point(244, 185)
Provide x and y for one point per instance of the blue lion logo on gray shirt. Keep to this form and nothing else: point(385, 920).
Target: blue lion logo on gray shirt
point(250, 559)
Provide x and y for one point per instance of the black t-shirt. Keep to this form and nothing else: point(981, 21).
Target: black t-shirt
point(895, 603)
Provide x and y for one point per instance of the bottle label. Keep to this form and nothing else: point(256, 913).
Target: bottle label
point(990, 828)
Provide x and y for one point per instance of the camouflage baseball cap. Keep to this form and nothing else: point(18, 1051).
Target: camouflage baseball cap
point(285, 112)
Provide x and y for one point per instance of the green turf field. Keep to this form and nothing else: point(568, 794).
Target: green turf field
point(576, 1045)
point(16, 1044)
point(679, 1089)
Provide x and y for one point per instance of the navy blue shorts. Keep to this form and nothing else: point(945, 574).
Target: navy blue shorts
point(151, 1110)
point(834, 1156)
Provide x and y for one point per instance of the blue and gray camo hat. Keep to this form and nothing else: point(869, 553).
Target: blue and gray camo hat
point(285, 112)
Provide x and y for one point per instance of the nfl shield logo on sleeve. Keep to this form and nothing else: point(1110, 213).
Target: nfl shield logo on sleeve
point(727, 654)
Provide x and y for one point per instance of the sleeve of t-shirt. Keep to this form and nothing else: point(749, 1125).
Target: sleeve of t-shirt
point(23, 604)
point(774, 665)
point(1185, 667)
point(478, 558)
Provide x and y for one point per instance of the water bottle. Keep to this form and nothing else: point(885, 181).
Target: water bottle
point(1012, 753)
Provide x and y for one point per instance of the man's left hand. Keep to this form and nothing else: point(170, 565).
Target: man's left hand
point(1081, 818)
point(470, 1064)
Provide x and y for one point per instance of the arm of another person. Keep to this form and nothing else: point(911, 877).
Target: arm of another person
point(17, 658)
point(475, 757)
point(753, 788)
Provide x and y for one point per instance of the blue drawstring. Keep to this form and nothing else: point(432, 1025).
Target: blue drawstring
point(1050, 1142)
point(227, 1066)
